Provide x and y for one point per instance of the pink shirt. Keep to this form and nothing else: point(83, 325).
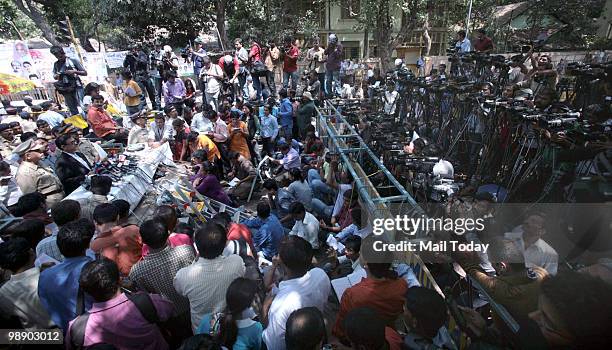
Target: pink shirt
point(175, 240)
point(120, 323)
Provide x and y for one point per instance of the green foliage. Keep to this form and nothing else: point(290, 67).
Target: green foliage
point(9, 13)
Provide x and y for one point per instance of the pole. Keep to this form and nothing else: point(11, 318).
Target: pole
point(16, 30)
point(76, 46)
point(467, 23)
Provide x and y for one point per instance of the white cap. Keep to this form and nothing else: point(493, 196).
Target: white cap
point(370, 73)
point(167, 48)
point(398, 61)
point(228, 59)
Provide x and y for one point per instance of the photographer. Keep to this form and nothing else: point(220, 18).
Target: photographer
point(542, 74)
point(316, 57)
point(155, 58)
point(231, 69)
point(483, 43)
point(290, 57)
point(334, 53)
point(211, 75)
point(256, 66)
point(243, 59)
point(462, 44)
point(197, 56)
point(66, 72)
point(169, 63)
point(140, 71)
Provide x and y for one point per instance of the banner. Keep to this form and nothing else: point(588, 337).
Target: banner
point(115, 59)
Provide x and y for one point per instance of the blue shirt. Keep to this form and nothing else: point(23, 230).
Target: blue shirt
point(58, 287)
point(286, 113)
point(268, 235)
point(274, 111)
point(249, 333)
point(464, 46)
point(269, 126)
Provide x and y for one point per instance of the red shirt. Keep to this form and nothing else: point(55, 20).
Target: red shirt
point(123, 245)
point(482, 45)
point(384, 296)
point(238, 231)
point(100, 121)
point(290, 59)
point(393, 338)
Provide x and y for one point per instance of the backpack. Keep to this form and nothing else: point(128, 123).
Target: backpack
point(144, 304)
point(251, 267)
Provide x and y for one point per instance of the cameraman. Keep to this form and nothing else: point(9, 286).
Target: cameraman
point(169, 63)
point(67, 71)
point(542, 74)
point(462, 44)
point(138, 63)
point(231, 69)
point(316, 57)
point(334, 53)
point(390, 99)
point(197, 56)
point(211, 76)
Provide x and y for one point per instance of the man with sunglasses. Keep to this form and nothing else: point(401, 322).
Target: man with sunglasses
point(71, 166)
point(32, 176)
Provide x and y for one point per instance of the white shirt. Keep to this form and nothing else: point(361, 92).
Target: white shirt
point(9, 194)
point(138, 135)
point(307, 229)
point(79, 159)
point(444, 169)
point(390, 101)
point(201, 124)
point(205, 283)
point(539, 253)
point(213, 86)
point(19, 297)
point(312, 289)
point(156, 134)
point(52, 118)
point(340, 198)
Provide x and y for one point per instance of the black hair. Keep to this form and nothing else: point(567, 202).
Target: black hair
point(29, 202)
point(432, 150)
point(296, 253)
point(89, 88)
point(353, 243)
point(123, 208)
point(282, 93)
point(15, 254)
point(100, 279)
point(572, 293)
point(296, 173)
point(74, 237)
point(184, 228)
point(200, 342)
point(199, 154)
point(482, 31)
point(239, 297)
point(169, 108)
point(232, 155)
point(62, 140)
point(296, 208)
point(263, 210)
point(126, 74)
point(27, 135)
point(211, 240)
point(270, 184)
point(101, 184)
point(461, 33)
point(32, 230)
point(305, 329)
point(166, 214)
point(65, 211)
point(178, 122)
point(223, 218)
point(4, 166)
point(356, 216)
point(154, 233)
point(97, 97)
point(193, 136)
point(364, 328)
point(428, 308)
point(378, 263)
point(105, 213)
point(284, 146)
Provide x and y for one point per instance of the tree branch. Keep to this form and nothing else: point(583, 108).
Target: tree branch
point(30, 10)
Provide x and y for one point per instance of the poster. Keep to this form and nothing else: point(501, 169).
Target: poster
point(115, 59)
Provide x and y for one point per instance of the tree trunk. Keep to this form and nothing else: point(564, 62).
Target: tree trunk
point(220, 19)
point(426, 37)
point(382, 35)
point(85, 44)
point(30, 10)
point(366, 43)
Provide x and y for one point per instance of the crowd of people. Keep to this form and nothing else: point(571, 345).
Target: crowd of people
point(109, 280)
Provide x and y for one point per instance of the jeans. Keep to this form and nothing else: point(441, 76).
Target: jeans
point(268, 146)
point(270, 82)
point(320, 189)
point(133, 109)
point(213, 100)
point(157, 83)
point(147, 87)
point(72, 102)
point(257, 86)
point(294, 80)
point(321, 209)
point(321, 77)
point(285, 132)
point(242, 77)
point(333, 75)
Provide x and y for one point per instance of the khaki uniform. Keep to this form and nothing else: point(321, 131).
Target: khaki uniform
point(89, 151)
point(34, 178)
point(6, 148)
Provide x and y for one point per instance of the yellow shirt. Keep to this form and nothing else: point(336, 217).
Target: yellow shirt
point(204, 142)
point(134, 100)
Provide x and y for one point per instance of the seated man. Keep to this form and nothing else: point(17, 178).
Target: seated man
point(19, 295)
point(115, 318)
point(365, 329)
point(123, 245)
point(290, 160)
point(266, 230)
point(305, 329)
point(100, 188)
point(243, 170)
point(58, 286)
point(537, 252)
point(102, 124)
point(306, 225)
point(279, 199)
point(160, 131)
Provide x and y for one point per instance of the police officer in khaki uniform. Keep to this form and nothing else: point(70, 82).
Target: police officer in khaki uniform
point(33, 177)
point(85, 146)
point(6, 140)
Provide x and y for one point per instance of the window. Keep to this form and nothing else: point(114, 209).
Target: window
point(351, 49)
point(349, 9)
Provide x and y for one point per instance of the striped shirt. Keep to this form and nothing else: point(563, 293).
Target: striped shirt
point(205, 283)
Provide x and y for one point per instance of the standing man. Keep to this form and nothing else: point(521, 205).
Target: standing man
point(137, 62)
point(334, 54)
point(197, 57)
point(67, 71)
point(211, 76)
point(286, 116)
point(272, 63)
point(463, 44)
point(243, 59)
point(231, 68)
point(290, 63)
point(155, 72)
point(483, 43)
point(255, 55)
point(174, 92)
point(316, 57)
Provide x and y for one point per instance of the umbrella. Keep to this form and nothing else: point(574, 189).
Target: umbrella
point(11, 84)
